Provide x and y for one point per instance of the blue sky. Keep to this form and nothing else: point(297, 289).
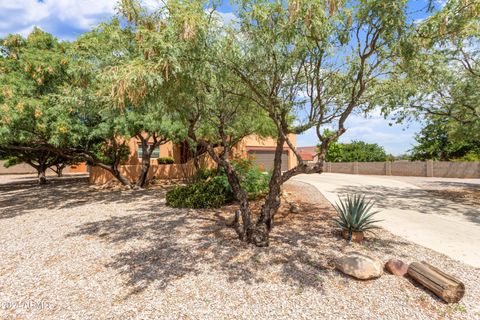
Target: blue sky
point(67, 19)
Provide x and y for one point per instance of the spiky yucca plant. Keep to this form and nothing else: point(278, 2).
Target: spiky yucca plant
point(355, 214)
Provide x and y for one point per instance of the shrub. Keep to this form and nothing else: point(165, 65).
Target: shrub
point(202, 194)
point(253, 180)
point(205, 174)
point(212, 190)
point(165, 160)
point(355, 214)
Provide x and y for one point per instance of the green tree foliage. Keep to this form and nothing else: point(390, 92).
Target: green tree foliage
point(290, 65)
point(434, 142)
point(355, 151)
point(212, 188)
point(113, 101)
point(33, 69)
point(439, 76)
point(284, 68)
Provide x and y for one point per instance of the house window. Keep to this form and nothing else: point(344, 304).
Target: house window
point(155, 153)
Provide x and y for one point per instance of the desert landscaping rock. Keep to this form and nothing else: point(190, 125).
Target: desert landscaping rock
point(396, 267)
point(360, 266)
point(294, 208)
point(125, 255)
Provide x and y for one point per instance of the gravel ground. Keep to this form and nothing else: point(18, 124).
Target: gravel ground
point(69, 251)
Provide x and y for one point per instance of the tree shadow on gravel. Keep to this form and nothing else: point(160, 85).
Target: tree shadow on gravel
point(161, 245)
point(21, 197)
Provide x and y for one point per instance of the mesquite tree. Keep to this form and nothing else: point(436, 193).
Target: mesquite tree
point(108, 62)
point(32, 69)
point(315, 64)
point(299, 63)
point(43, 123)
point(439, 77)
point(126, 75)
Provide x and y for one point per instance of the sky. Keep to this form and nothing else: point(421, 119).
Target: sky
point(67, 19)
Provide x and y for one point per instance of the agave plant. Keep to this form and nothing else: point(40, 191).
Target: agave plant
point(355, 214)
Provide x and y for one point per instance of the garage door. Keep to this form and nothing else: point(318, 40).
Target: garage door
point(264, 159)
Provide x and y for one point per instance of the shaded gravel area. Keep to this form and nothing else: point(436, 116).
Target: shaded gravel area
point(70, 251)
point(465, 191)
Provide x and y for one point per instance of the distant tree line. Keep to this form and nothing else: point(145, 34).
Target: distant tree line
point(356, 151)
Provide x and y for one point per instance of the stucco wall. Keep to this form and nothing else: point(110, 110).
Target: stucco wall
point(341, 167)
point(372, 168)
point(177, 171)
point(26, 169)
point(455, 169)
point(18, 169)
point(163, 171)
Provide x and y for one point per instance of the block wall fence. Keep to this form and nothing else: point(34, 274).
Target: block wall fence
point(440, 169)
point(26, 169)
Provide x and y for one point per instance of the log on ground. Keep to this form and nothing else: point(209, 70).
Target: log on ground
point(445, 286)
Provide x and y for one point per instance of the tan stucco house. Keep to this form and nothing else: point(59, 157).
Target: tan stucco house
point(261, 150)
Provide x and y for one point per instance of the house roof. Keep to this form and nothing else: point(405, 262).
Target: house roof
point(307, 153)
point(312, 149)
point(306, 156)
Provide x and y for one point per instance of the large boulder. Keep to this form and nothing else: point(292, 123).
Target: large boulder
point(360, 266)
point(396, 267)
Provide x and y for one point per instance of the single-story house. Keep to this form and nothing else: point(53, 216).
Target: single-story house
point(261, 150)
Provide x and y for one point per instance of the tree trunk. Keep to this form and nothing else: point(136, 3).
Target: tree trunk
point(41, 175)
point(120, 177)
point(146, 155)
point(59, 170)
point(142, 179)
point(261, 234)
point(116, 163)
point(243, 229)
point(147, 151)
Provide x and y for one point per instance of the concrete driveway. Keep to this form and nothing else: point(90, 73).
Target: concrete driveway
point(422, 210)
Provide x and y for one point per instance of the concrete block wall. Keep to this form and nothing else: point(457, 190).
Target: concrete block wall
point(441, 169)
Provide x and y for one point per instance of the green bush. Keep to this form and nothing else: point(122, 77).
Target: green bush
point(212, 190)
point(205, 174)
point(202, 194)
point(165, 160)
point(252, 179)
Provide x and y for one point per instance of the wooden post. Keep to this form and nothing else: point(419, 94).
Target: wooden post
point(443, 285)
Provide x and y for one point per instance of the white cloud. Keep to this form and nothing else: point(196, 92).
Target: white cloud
point(227, 17)
point(64, 18)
